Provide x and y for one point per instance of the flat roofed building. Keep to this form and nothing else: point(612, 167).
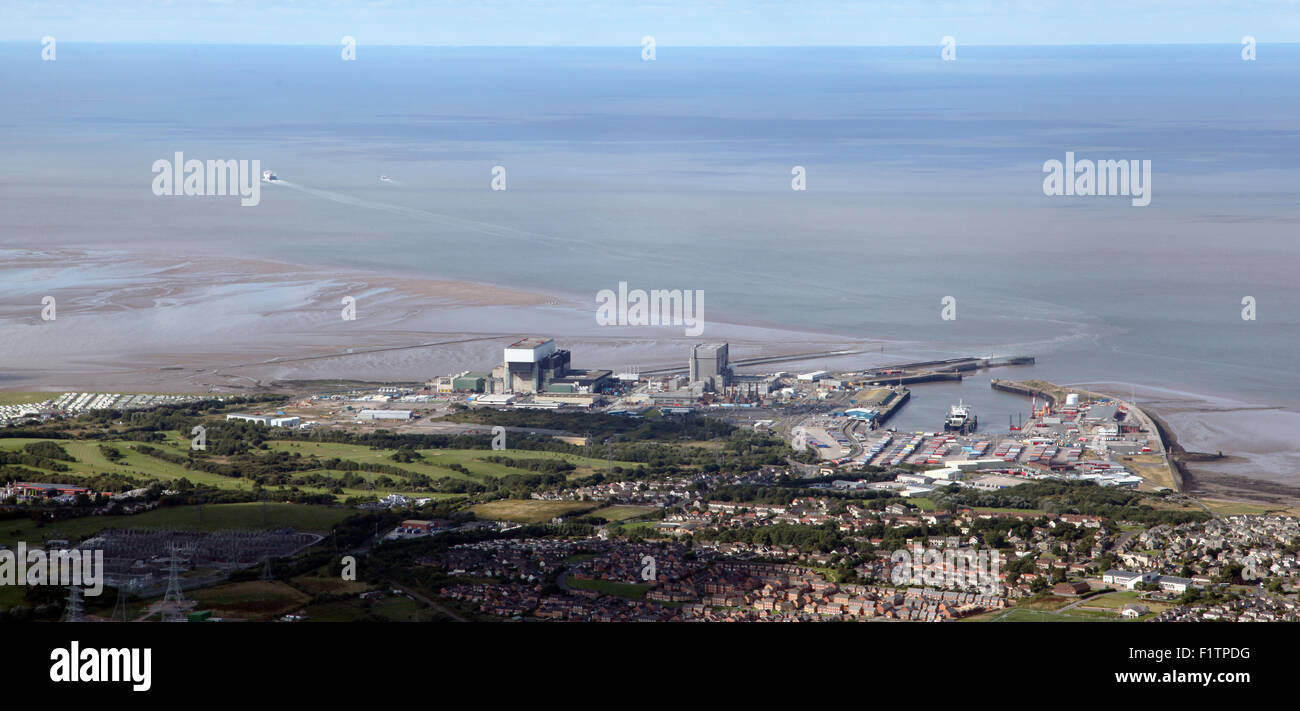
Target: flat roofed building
point(259, 419)
point(676, 397)
point(28, 488)
point(581, 381)
point(993, 482)
point(1120, 577)
point(385, 415)
point(567, 398)
point(814, 376)
point(470, 382)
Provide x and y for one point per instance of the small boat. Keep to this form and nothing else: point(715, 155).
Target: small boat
point(385, 178)
point(268, 176)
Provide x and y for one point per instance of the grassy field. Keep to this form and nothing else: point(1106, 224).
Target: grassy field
point(331, 585)
point(1230, 508)
point(1021, 614)
point(90, 461)
point(213, 517)
point(629, 591)
point(25, 398)
point(1047, 602)
point(436, 460)
point(623, 512)
point(1153, 468)
point(647, 528)
point(989, 616)
point(1115, 600)
point(394, 608)
point(252, 600)
point(527, 510)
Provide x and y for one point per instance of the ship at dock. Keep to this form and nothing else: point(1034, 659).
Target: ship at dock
point(961, 419)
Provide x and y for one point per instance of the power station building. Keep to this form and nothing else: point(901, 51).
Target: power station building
point(535, 365)
point(530, 363)
point(709, 365)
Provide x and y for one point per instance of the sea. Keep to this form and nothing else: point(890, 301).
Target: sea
point(923, 223)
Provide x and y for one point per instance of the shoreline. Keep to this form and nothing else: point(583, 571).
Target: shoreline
point(206, 320)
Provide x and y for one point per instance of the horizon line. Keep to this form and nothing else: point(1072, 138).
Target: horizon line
point(637, 44)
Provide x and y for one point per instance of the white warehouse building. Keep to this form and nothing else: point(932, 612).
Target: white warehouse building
point(384, 415)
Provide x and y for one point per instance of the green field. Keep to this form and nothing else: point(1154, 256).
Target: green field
point(1230, 508)
point(252, 600)
point(1110, 603)
point(393, 608)
point(329, 584)
point(630, 591)
point(527, 510)
point(1021, 614)
point(623, 512)
point(213, 517)
point(90, 461)
point(435, 462)
point(25, 398)
point(647, 528)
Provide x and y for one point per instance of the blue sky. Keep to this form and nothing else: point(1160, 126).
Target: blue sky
point(671, 22)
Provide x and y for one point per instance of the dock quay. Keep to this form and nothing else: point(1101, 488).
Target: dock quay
point(916, 378)
point(1020, 388)
point(892, 405)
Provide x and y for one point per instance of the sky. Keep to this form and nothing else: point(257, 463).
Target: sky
point(670, 22)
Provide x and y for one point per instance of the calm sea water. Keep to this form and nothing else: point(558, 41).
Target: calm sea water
point(923, 181)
